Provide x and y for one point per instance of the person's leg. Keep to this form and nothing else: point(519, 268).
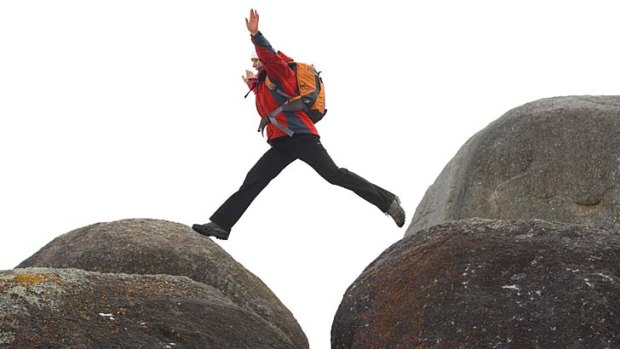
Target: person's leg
point(312, 152)
point(266, 169)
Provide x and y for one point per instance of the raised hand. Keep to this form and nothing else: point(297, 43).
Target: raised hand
point(252, 23)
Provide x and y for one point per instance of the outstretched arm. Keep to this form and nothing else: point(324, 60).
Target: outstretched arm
point(276, 67)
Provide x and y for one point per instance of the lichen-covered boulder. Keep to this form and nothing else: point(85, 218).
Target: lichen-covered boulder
point(71, 308)
point(556, 159)
point(488, 284)
point(148, 246)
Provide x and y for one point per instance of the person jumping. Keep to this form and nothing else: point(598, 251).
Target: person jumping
point(291, 135)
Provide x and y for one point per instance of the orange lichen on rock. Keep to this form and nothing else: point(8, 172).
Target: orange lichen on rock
point(31, 279)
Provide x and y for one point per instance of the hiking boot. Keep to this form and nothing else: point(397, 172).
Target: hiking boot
point(211, 229)
point(396, 212)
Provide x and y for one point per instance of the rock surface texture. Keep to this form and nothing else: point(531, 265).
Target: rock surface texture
point(149, 247)
point(556, 159)
point(488, 284)
point(72, 308)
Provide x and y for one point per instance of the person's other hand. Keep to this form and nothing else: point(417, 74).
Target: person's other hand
point(248, 75)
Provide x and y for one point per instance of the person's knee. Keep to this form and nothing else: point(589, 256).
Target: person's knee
point(254, 181)
point(336, 176)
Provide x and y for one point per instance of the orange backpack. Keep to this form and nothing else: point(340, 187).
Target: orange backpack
point(311, 98)
point(311, 90)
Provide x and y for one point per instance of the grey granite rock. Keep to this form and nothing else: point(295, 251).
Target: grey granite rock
point(147, 246)
point(488, 284)
point(71, 308)
point(556, 159)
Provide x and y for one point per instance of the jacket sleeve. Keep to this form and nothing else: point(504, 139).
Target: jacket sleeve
point(251, 83)
point(277, 69)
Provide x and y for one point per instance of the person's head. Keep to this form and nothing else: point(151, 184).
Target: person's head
point(256, 63)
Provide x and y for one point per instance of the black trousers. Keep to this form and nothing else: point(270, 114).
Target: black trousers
point(283, 151)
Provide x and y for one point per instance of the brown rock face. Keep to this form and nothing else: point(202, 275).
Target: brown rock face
point(146, 246)
point(488, 284)
point(556, 159)
point(71, 308)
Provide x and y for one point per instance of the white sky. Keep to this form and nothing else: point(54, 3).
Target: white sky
point(133, 109)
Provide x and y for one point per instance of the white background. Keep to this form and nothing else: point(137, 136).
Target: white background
point(133, 109)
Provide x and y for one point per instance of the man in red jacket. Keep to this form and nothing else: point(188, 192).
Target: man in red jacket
point(292, 136)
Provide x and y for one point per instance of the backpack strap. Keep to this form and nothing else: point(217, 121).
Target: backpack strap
point(281, 93)
point(295, 104)
point(272, 118)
